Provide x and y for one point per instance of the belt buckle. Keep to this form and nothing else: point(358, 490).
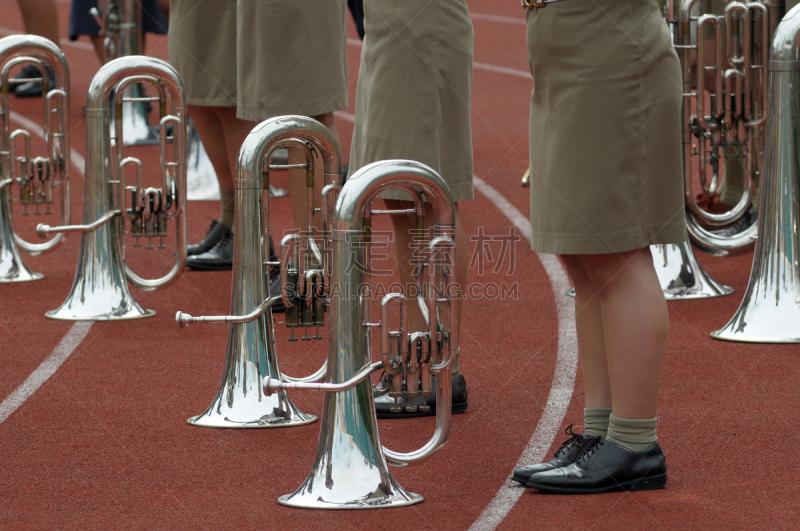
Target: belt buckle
point(530, 4)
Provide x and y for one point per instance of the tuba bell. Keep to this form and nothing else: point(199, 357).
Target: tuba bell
point(251, 356)
point(350, 470)
point(100, 289)
point(770, 309)
point(36, 179)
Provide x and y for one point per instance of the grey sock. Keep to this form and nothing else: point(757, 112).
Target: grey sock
point(632, 434)
point(596, 421)
point(226, 203)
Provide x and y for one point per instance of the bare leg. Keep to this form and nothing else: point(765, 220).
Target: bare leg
point(210, 127)
point(635, 328)
point(235, 131)
point(40, 18)
point(164, 5)
point(99, 48)
point(591, 341)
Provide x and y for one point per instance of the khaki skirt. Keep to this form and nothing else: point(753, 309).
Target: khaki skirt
point(202, 48)
point(291, 57)
point(286, 57)
point(605, 131)
point(414, 87)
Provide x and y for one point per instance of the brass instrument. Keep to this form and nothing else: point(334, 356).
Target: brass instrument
point(251, 356)
point(36, 178)
point(100, 290)
point(120, 24)
point(731, 129)
point(770, 309)
point(350, 470)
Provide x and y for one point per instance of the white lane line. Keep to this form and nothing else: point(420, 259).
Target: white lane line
point(344, 115)
point(563, 378)
point(49, 366)
point(503, 70)
point(69, 342)
point(77, 159)
point(478, 66)
point(61, 42)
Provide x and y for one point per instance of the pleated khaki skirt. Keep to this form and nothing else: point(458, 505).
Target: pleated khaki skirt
point(202, 48)
point(265, 57)
point(605, 131)
point(414, 86)
point(291, 57)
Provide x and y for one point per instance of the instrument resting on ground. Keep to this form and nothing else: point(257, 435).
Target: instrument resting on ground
point(100, 290)
point(724, 55)
point(350, 470)
point(770, 309)
point(251, 356)
point(36, 179)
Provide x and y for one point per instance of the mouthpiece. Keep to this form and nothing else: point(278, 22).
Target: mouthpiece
point(183, 319)
point(271, 385)
point(43, 230)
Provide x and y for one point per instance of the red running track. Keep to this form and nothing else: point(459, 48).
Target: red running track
point(103, 443)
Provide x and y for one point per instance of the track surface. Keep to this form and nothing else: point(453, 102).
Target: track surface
point(103, 443)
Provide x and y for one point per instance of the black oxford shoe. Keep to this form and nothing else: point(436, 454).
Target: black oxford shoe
point(605, 467)
point(218, 258)
point(569, 451)
point(33, 89)
point(384, 403)
point(214, 235)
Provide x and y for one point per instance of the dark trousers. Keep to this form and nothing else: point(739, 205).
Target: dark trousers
point(357, 10)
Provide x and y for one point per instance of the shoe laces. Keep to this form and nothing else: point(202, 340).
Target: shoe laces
point(226, 238)
point(589, 447)
point(573, 437)
point(214, 223)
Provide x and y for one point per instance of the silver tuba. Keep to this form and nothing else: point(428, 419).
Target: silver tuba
point(732, 128)
point(251, 356)
point(37, 179)
point(100, 290)
point(350, 470)
point(770, 309)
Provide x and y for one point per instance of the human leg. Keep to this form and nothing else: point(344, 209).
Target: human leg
point(40, 18)
point(635, 325)
point(222, 135)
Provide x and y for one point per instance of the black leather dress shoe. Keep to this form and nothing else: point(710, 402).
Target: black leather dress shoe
point(218, 258)
point(214, 234)
point(33, 89)
point(569, 451)
point(605, 467)
point(384, 403)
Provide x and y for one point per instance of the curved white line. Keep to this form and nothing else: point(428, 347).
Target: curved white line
point(76, 158)
point(49, 366)
point(503, 70)
point(346, 116)
point(563, 378)
point(68, 343)
point(61, 42)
